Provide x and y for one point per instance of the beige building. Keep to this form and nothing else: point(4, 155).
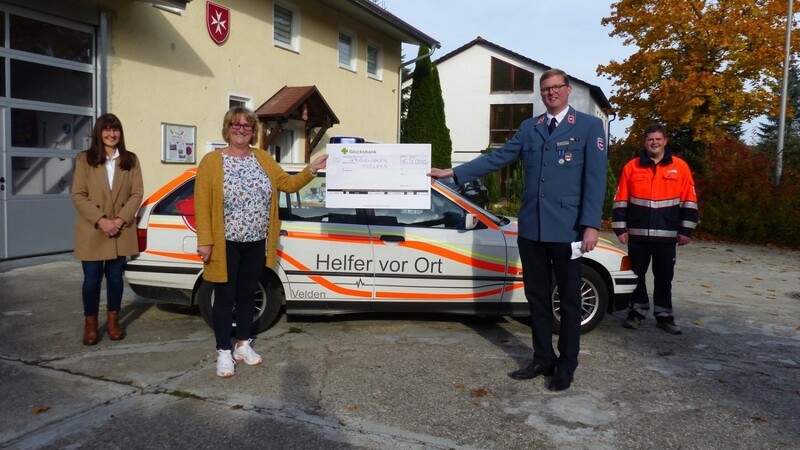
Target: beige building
point(170, 71)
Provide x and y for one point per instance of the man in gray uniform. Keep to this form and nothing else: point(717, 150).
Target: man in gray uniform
point(563, 152)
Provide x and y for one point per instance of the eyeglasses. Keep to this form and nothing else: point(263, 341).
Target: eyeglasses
point(242, 126)
point(555, 88)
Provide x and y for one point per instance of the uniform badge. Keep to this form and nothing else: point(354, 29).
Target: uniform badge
point(600, 144)
point(571, 119)
point(568, 156)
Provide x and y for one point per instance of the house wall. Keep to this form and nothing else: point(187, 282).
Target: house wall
point(165, 68)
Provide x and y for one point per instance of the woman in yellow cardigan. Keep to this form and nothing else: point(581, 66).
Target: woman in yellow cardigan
point(236, 214)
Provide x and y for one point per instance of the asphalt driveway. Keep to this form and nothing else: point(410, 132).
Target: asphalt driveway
point(731, 380)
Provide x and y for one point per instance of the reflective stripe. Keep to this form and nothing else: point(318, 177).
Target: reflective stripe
point(689, 205)
point(689, 224)
point(621, 204)
point(619, 224)
point(652, 233)
point(655, 203)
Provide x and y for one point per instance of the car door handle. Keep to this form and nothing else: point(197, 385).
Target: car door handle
point(392, 238)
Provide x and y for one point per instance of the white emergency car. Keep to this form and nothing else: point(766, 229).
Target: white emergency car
point(452, 258)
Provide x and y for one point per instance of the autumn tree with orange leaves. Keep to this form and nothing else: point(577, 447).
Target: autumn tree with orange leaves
point(703, 66)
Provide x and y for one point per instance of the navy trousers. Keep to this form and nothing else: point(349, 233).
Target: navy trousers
point(540, 260)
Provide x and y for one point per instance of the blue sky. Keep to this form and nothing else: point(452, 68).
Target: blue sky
point(559, 33)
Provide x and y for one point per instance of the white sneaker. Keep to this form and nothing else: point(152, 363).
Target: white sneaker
point(246, 353)
point(225, 364)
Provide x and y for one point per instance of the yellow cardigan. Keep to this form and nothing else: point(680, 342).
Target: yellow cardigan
point(208, 208)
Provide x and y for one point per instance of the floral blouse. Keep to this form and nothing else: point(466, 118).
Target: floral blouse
point(247, 193)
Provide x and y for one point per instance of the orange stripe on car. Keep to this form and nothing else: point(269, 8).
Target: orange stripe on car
point(169, 187)
point(449, 254)
point(322, 281)
point(183, 256)
point(168, 226)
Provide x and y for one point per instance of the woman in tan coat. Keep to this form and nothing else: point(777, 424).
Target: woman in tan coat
point(107, 190)
point(236, 214)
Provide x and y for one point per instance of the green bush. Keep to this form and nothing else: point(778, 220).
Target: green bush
point(739, 201)
point(507, 209)
point(492, 184)
point(516, 183)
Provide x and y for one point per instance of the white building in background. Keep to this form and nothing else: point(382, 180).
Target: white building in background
point(489, 90)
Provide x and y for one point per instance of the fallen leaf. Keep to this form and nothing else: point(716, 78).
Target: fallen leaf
point(698, 323)
point(759, 419)
point(459, 385)
point(352, 408)
point(40, 409)
point(479, 392)
point(705, 286)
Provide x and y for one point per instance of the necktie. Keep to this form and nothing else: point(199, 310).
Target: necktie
point(552, 125)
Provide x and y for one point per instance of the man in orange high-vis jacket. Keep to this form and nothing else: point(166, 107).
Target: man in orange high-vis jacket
point(654, 209)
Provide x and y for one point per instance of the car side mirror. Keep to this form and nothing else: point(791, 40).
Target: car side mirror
point(470, 221)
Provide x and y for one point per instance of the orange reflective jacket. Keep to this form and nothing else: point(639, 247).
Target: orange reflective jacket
point(655, 202)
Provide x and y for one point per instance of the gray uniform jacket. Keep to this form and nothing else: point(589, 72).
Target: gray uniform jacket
point(565, 175)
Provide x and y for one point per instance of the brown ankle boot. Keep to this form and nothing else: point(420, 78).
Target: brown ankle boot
point(90, 330)
point(115, 332)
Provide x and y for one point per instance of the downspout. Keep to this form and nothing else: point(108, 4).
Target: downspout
point(608, 131)
point(400, 87)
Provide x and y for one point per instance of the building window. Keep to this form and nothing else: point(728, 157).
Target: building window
point(347, 50)
point(510, 78)
point(286, 26)
point(505, 121)
point(240, 100)
point(374, 61)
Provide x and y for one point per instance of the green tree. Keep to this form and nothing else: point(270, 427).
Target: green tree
point(703, 67)
point(768, 132)
point(425, 121)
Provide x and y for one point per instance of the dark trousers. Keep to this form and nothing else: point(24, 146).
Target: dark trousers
point(245, 262)
point(663, 256)
point(93, 273)
point(539, 261)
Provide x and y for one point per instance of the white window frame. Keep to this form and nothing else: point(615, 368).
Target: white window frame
point(294, 44)
point(241, 98)
point(353, 49)
point(378, 75)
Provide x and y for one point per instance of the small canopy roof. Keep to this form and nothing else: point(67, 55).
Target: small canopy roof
point(300, 103)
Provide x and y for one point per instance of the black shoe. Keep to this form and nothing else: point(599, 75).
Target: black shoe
point(561, 381)
point(632, 323)
point(669, 327)
point(532, 371)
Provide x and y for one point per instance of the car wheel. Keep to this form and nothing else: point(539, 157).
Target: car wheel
point(594, 301)
point(269, 298)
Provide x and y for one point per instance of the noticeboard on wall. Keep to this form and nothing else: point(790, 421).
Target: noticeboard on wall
point(178, 143)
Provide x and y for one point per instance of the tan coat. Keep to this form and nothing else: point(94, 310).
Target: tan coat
point(209, 215)
point(94, 199)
